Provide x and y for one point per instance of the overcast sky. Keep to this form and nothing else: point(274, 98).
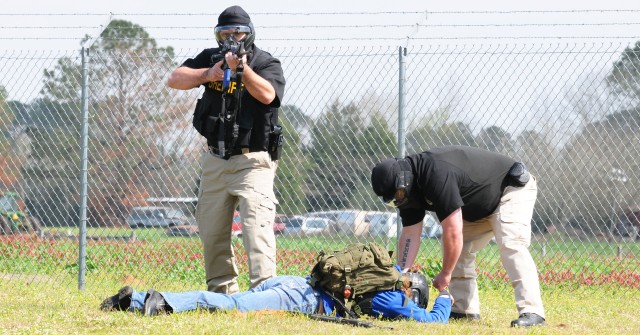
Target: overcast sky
point(180, 38)
point(188, 27)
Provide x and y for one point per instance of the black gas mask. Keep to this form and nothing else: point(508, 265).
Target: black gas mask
point(403, 182)
point(234, 38)
point(419, 288)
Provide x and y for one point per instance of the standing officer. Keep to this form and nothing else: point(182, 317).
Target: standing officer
point(476, 194)
point(238, 115)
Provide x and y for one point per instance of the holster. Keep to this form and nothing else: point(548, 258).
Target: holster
point(518, 175)
point(276, 140)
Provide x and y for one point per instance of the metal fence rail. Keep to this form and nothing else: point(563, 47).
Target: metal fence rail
point(569, 111)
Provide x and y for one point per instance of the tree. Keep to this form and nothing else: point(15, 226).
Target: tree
point(423, 136)
point(8, 171)
point(456, 133)
point(596, 196)
point(625, 75)
point(132, 119)
point(346, 142)
point(6, 114)
point(377, 142)
point(496, 139)
point(293, 164)
point(541, 159)
point(334, 174)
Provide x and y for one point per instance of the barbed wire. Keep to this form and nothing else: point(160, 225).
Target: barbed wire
point(569, 11)
point(422, 24)
point(533, 24)
point(341, 38)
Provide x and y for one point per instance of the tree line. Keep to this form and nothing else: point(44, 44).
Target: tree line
point(141, 144)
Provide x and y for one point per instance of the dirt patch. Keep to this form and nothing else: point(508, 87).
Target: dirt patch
point(25, 278)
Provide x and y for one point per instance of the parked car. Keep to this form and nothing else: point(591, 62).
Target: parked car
point(284, 219)
point(431, 228)
point(382, 224)
point(184, 230)
point(294, 225)
point(310, 226)
point(149, 217)
point(236, 226)
point(385, 224)
point(628, 225)
point(625, 228)
point(348, 221)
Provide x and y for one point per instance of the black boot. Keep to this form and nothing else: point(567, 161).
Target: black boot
point(118, 302)
point(528, 320)
point(464, 316)
point(155, 304)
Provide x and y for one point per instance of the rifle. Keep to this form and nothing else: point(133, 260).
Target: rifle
point(226, 115)
point(346, 321)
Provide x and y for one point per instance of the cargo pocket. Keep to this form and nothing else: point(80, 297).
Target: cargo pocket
point(515, 222)
point(266, 211)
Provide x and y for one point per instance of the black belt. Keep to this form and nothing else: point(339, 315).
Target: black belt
point(213, 151)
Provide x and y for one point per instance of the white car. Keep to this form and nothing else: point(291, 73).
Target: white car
point(382, 224)
point(148, 217)
point(310, 226)
point(431, 228)
point(386, 224)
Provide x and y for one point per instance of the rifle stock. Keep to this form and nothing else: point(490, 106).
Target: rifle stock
point(351, 322)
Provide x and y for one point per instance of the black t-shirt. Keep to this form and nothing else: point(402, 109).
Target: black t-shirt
point(453, 177)
point(255, 119)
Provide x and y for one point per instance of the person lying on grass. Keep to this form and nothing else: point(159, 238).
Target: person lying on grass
point(284, 293)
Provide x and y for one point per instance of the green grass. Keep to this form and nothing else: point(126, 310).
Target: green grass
point(26, 309)
point(155, 257)
point(588, 287)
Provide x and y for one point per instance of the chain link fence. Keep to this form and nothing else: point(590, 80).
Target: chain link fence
point(569, 111)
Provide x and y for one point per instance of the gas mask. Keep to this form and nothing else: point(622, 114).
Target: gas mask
point(235, 38)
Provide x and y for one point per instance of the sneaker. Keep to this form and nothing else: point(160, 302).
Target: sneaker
point(464, 316)
point(155, 304)
point(118, 302)
point(527, 320)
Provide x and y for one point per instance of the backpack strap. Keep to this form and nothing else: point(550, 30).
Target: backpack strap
point(340, 307)
point(364, 304)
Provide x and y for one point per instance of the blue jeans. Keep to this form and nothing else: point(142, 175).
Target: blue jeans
point(285, 293)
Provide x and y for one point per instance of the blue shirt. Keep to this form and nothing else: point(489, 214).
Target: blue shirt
point(390, 304)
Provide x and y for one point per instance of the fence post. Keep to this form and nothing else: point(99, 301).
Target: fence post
point(402, 53)
point(401, 101)
point(83, 173)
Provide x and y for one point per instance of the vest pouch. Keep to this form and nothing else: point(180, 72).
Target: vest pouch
point(200, 113)
point(205, 120)
point(197, 118)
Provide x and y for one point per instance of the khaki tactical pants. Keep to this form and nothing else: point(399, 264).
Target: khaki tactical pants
point(246, 181)
point(511, 226)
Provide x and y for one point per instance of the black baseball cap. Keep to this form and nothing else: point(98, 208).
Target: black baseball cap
point(383, 178)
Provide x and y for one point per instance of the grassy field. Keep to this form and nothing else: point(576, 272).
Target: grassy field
point(588, 287)
point(26, 309)
point(112, 255)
